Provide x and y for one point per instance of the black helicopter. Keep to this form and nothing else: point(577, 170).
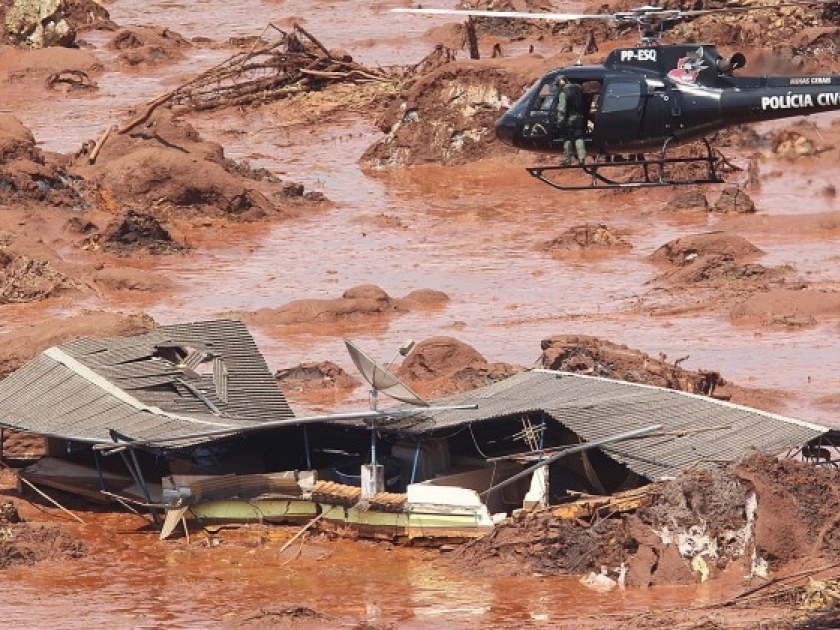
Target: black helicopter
point(642, 101)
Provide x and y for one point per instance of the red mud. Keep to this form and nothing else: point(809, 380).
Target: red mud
point(213, 213)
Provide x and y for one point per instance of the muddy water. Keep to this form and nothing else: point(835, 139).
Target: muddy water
point(473, 233)
point(129, 579)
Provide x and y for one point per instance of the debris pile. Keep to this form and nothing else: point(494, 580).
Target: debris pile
point(28, 543)
point(754, 518)
point(294, 62)
point(448, 116)
point(25, 279)
point(589, 355)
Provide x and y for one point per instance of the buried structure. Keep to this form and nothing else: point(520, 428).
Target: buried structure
point(188, 422)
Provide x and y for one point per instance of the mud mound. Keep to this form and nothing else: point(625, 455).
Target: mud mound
point(714, 258)
point(147, 46)
point(165, 169)
point(27, 174)
point(590, 355)
point(315, 376)
point(687, 249)
point(31, 271)
point(805, 31)
point(358, 302)
point(774, 28)
point(798, 506)
point(692, 200)
point(799, 306)
point(511, 28)
point(443, 365)
point(424, 298)
point(128, 279)
point(16, 141)
point(712, 493)
point(30, 543)
point(718, 270)
point(87, 15)
point(448, 116)
point(734, 200)
point(588, 237)
point(690, 529)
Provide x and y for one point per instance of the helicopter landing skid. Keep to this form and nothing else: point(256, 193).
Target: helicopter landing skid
point(651, 172)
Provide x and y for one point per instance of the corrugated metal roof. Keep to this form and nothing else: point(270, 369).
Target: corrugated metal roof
point(694, 428)
point(85, 388)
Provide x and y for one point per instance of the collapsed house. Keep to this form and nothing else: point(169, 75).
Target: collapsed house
point(188, 421)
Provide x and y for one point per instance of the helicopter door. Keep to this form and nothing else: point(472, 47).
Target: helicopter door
point(619, 120)
point(540, 126)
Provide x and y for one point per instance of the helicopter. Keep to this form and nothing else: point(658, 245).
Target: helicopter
point(643, 101)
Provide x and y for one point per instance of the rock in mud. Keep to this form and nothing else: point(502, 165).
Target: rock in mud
point(39, 23)
point(791, 145)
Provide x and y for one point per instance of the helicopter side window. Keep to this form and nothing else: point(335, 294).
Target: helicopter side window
point(547, 98)
point(621, 95)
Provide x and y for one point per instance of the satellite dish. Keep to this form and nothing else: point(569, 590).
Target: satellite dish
point(381, 379)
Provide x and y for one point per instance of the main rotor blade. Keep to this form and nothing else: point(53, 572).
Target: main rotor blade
point(757, 7)
point(521, 15)
point(640, 14)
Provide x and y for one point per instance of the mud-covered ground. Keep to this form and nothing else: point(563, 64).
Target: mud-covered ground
point(359, 192)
